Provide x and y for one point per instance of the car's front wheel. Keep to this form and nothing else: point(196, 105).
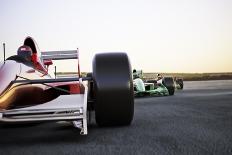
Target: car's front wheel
point(113, 89)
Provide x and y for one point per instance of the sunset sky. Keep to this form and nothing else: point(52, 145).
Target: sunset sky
point(190, 36)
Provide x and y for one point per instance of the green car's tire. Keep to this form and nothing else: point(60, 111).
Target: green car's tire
point(180, 82)
point(113, 89)
point(168, 82)
point(181, 86)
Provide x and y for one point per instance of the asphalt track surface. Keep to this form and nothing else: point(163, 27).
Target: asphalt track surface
point(196, 120)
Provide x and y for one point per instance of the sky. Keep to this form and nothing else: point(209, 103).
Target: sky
point(183, 36)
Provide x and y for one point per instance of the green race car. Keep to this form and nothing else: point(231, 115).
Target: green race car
point(142, 89)
point(153, 88)
point(162, 86)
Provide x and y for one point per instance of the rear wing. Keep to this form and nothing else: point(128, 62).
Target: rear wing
point(62, 55)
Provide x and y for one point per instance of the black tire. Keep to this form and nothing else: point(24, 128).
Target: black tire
point(113, 89)
point(168, 82)
point(181, 83)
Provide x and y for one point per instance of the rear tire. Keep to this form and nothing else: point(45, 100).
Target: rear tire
point(181, 83)
point(168, 82)
point(113, 89)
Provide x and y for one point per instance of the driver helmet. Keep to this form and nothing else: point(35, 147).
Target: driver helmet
point(159, 76)
point(25, 52)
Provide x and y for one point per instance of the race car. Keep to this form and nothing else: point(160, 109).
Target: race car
point(29, 94)
point(142, 88)
point(160, 82)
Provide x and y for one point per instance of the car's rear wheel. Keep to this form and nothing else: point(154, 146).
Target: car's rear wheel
point(168, 82)
point(181, 83)
point(113, 89)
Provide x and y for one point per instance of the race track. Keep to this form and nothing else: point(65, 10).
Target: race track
point(196, 120)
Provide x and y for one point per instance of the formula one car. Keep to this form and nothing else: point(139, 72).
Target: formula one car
point(163, 83)
point(142, 88)
point(29, 94)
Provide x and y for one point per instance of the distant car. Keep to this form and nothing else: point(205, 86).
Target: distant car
point(29, 94)
point(167, 81)
point(143, 88)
